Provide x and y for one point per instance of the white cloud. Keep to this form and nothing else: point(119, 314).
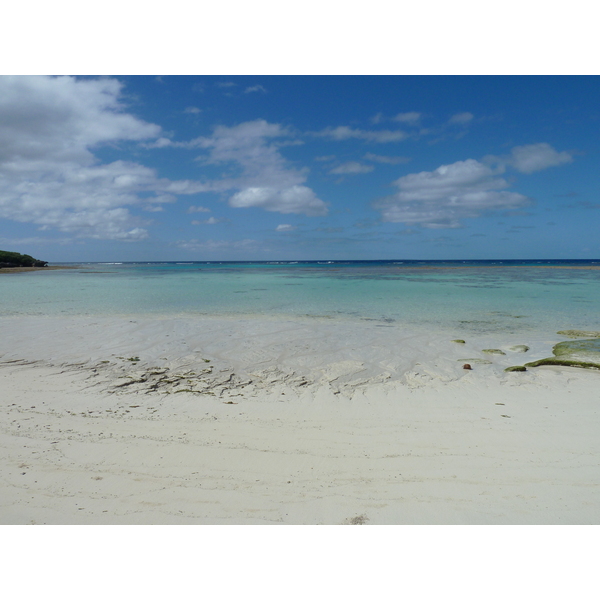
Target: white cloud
point(285, 227)
point(182, 186)
point(197, 209)
point(255, 88)
point(412, 118)
point(343, 132)
point(351, 168)
point(49, 176)
point(460, 118)
point(441, 198)
point(530, 158)
point(60, 118)
point(536, 157)
point(266, 180)
point(297, 199)
point(160, 198)
point(209, 221)
point(161, 142)
point(389, 160)
point(194, 110)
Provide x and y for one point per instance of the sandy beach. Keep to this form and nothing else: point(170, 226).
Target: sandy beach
point(288, 421)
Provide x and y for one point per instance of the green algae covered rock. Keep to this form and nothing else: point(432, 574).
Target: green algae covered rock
point(519, 348)
point(515, 369)
point(579, 349)
point(576, 333)
point(561, 362)
point(459, 341)
point(493, 351)
point(584, 354)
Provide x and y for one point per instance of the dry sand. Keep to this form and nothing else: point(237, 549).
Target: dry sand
point(300, 421)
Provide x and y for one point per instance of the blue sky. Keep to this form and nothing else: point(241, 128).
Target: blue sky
point(299, 167)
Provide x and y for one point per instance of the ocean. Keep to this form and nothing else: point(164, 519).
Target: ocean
point(508, 296)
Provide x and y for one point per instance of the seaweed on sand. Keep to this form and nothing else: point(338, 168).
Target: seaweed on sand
point(584, 354)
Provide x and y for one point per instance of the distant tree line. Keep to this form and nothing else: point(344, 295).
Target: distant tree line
point(14, 259)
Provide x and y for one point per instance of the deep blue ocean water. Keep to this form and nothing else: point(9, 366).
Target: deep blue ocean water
point(474, 296)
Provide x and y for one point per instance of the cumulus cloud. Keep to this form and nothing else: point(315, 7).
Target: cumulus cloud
point(297, 199)
point(60, 118)
point(161, 142)
point(530, 158)
point(460, 118)
point(343, 132)
point(49, 176)
point(351, 168)
point(285, 227)
point(266, 180)
point(194, 110)
point(441, 198)
point(411, 118)
point(197, 209)
point(209, 221)
point(536, 157)
point(389, 160)
point(86, 201)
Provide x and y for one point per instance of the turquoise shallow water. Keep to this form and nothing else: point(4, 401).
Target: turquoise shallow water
point(469, 296)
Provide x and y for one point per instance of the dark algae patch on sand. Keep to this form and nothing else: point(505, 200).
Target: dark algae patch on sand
point(576, 333)
point(584, 354)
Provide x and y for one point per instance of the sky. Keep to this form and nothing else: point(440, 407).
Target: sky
point(299, 167)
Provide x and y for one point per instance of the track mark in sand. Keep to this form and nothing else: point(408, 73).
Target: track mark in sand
point(358, 520)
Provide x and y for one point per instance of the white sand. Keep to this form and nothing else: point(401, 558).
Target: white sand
point(292, 421)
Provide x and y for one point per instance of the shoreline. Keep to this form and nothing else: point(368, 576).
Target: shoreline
point(307, 344)
point(220, 420)
point(31, 269)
